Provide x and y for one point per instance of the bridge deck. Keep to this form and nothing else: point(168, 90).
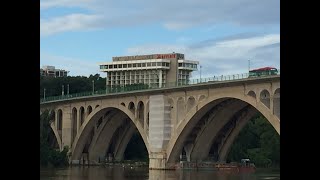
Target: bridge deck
point(194, 85)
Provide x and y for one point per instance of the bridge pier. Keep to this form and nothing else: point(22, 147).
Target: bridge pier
point(66, 127)
point(158, 160)
point(159, 131)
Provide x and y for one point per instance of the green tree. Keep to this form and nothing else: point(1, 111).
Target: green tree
point(257, 141)
point(48, 155)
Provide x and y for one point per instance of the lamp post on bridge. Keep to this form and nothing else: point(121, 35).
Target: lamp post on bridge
point(68, 89)
point(200, 72)
point(44, 94)
point(92, 87)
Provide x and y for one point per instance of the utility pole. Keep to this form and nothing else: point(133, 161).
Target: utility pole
point(200, 72)
point(92, 87)
point(44, 93)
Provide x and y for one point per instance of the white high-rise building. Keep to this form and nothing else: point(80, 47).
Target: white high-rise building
point(155, 70)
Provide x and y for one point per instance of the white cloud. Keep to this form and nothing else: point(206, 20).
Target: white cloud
point(172, 14)
point(46, 4)
point(70, 22)
point(77, 67)
point(176, 25)
point(225, 56)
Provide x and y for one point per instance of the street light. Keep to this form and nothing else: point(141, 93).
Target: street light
point(200, 72)
point(92, 86)
point(44, 94)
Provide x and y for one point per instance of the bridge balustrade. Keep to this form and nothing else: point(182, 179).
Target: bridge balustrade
point(115, 90)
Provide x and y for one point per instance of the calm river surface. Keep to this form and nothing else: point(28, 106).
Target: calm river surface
point(115, 173)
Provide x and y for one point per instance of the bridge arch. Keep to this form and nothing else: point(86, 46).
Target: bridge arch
point(191, 103)
point(89, 124)
point(53, 124)
point(265, 97)
point(201, 98)
point(74, 116)
point(131, 107)
point(89, 110)
point(140, 112)
point(184, 128)
point(81, 115)
point(59, 120)
point(252, 94)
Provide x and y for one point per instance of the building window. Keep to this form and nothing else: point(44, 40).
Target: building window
point(129, 65)
point(154, 64)
point(110, 67)
point(115, 66)
point(134, 65)
point(124, 66)
point(120, 65)
point(163, 64)
point(180, 64)
point(143, 64)
point(167, 64)
point(139, 64)
point(158, 63)
point(148, 64)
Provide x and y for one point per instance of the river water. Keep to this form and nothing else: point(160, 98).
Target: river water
point(119, 173)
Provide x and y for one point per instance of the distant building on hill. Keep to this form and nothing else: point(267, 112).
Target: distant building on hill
point(51, 71)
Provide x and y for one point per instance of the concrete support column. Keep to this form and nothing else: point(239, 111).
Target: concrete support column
point(188, 149)
point(78, 120)
point(66, 126)
point(56, 118)
point(160, 78)
point(159, 131)
point(271, 102)
point(145, 115)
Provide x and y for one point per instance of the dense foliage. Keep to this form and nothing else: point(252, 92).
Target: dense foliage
point(77, 84)
point(49, 155)
point(259, 142)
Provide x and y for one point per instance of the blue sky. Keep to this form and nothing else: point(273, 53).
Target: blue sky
point(77, 35)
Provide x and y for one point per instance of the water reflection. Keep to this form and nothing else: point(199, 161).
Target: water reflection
point(119, 173)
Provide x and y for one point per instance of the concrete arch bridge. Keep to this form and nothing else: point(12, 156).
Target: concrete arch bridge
point(199, 120)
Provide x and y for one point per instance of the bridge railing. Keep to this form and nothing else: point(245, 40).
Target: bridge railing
point(122, 89)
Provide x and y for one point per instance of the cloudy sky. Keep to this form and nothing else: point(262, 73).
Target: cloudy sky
point(223, 35)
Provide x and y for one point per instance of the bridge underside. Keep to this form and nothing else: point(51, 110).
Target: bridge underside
point(210, 133)
point(105, 138)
